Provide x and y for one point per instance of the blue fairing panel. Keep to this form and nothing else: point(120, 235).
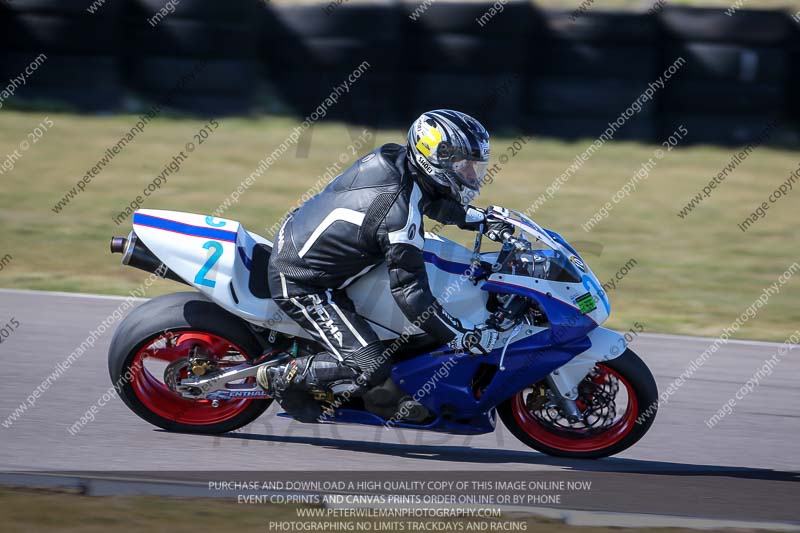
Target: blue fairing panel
point(445, 384)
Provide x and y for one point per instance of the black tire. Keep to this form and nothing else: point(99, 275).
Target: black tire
point(712, 61)
point(173, 313)
point(494, 98)
point(725, 129)
point(794, 82)
point(339, 39)
point(342, 54)
point(109, 9)
point(162, 74)
point(636, 373)
point(447, 17)
point(378, 22)
point(590, 60)
point(65, 82)
point(725, 97)
point(600, 27)
point(193, 38)
point(68, 99)
point(208, 105)
point(53, 33)
point(585, 96)
point(712, 24)
point(639, 128)
point(212, 10)
point(63, 71)
point(463, 53)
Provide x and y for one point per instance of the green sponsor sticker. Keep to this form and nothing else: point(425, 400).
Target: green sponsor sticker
point(586, 303)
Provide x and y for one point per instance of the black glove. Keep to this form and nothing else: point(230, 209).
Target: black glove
point(494, 229)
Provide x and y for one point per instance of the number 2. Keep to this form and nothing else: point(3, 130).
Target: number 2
point(200, 278)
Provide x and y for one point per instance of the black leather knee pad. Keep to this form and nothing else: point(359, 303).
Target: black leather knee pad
point(324, 368)
point(374, 362)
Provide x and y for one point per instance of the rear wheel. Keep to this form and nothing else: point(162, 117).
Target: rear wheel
point(154, 345)
point(619, 399)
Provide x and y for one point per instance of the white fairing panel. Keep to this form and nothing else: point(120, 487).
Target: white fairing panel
point(606, 345)
point(210, 254)
point(446, 261)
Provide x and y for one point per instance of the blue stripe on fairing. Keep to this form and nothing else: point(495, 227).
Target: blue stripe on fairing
point(185, 229)
point(246, 260)
point(447, 266)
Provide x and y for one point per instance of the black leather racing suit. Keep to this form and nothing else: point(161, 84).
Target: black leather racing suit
point(369, 214)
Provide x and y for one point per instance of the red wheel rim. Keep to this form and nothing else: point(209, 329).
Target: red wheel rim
point(577, 440)
point(156, 395)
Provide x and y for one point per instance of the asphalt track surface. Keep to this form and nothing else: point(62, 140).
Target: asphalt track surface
point(744, 468)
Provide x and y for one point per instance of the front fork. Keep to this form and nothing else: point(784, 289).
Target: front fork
point(564, 381)
point(568, 406)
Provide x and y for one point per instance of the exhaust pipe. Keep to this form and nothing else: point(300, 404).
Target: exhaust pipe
point(118, 245)
point(137, 255)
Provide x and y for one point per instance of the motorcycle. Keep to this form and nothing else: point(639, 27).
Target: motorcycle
point(560, 382)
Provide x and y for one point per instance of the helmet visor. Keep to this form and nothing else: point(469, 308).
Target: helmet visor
point(470, 172)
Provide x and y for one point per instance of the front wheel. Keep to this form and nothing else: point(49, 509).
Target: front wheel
point(619, 400)
point(159, 340)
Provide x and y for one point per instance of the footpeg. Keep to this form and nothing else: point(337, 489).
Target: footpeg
point(322, 395)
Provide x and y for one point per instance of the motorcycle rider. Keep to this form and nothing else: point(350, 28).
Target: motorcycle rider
point(371, 213)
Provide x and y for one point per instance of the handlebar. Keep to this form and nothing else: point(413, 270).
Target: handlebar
point(519, 244)
point(507, 237)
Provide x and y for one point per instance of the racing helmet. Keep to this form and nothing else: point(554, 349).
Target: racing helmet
point(450, 150)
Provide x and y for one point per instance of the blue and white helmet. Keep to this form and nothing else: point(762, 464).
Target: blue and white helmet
point(451, 150)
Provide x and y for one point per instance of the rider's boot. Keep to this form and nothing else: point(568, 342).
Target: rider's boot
point(322, 377)
point(303, 382)
point(310, 372)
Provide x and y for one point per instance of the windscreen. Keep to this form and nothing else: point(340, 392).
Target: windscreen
point(548, 259)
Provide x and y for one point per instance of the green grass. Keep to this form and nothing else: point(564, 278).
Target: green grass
point(694, 276)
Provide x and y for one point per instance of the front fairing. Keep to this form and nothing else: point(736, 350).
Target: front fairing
point(567, 292)
point(554, 275)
